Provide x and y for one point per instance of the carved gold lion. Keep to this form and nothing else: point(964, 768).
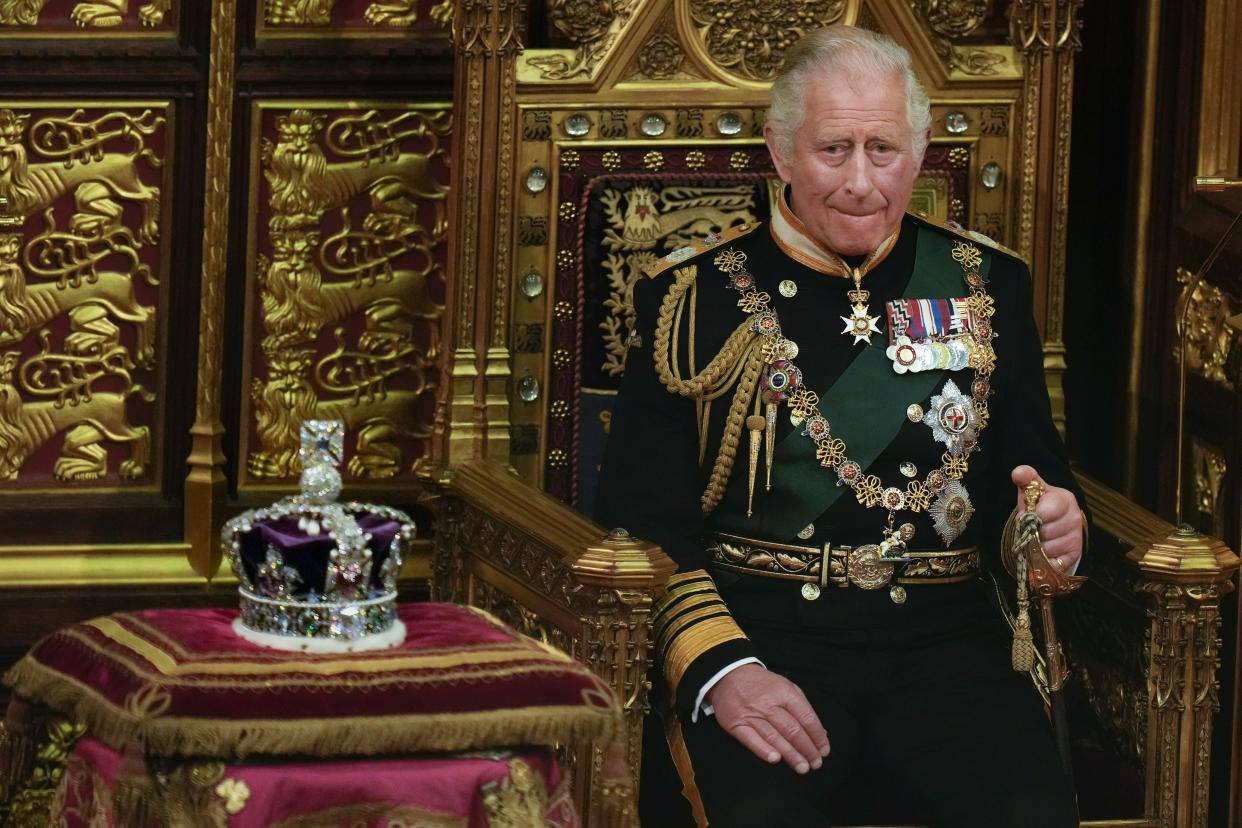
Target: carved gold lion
point(88, 419)
point(31, 188)
point(98, 13)
point(24, 308)
point(304, 185)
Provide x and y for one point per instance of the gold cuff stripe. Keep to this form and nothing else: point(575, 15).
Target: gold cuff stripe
point(681, 579)
point(671, 604)
point(666, 636)
point(681, 587)
point(683, 605)
point(696, 640)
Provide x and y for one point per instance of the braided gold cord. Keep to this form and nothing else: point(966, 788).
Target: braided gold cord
point(733, 426)
point(737, 365)
point(709, 380)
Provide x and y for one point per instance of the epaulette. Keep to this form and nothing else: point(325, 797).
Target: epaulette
point(951, 226)
point(695, 248)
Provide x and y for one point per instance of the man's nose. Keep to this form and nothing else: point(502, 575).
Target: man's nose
point(858, 175)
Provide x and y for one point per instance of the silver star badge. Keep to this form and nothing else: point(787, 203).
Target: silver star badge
point(952, 418)
point(951, 511)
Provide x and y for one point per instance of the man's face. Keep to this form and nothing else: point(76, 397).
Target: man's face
point(852, 164)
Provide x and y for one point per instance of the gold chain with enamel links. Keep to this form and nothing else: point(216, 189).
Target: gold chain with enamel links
point(804, 404)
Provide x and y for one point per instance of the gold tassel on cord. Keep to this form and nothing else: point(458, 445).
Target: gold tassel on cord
point(755, 424)
point(769, 440)
point(1023, 655)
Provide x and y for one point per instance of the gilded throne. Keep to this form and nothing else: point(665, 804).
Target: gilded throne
point(631, 135)
point(467, 318)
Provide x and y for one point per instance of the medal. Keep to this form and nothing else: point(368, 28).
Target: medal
point(860, 324)
point(951, 511)
point(952, 418)
point(904, 354)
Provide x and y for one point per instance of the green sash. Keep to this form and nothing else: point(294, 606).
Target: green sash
point(865, 407)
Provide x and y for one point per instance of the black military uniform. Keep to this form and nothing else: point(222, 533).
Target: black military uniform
point(910, 675)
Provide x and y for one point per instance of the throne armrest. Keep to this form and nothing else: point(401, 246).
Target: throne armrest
point(1154, 690)
point(507, 547)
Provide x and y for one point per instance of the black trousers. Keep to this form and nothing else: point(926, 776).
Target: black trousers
point(930, 721)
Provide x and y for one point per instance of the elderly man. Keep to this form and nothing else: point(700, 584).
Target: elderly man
point(831, 493)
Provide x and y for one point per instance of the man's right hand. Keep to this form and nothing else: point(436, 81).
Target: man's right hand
point(771, 716)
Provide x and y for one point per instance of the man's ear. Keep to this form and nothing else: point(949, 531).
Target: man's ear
point(782, 166)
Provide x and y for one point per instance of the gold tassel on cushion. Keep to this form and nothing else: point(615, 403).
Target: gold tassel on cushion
point(17, 747)
point(134, 800)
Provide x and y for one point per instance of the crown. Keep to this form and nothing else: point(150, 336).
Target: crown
point(314, 574)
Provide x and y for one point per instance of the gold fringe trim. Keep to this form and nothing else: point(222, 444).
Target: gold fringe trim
point(346, 735)
point(17, 757)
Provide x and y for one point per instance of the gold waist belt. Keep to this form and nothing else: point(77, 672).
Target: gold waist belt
point(841, 565)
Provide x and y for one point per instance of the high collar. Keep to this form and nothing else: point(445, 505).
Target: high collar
point(792, 237)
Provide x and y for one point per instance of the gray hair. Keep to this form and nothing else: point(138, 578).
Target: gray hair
point(852, 53)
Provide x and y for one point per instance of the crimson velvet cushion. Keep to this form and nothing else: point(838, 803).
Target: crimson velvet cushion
point(182, 682)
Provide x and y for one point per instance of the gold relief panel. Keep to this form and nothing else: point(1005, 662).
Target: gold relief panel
point(1209, 468)
point(346, 285)
point(1211, 341)
point(84, 255)
point(353, 18)
point(748, 40)
point(89, 18)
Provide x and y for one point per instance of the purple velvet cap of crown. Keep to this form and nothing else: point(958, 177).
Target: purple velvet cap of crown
point(308, 554)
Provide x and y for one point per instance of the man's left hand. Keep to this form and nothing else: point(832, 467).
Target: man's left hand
point(1061, 534)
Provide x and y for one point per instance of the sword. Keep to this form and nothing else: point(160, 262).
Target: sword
point(1026, 560)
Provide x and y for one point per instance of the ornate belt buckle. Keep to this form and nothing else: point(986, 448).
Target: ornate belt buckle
point(868, 569)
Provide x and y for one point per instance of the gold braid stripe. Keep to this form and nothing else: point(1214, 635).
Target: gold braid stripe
point(739, 363)
point(688, 621)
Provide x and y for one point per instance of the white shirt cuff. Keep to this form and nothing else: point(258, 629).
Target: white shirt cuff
point(699, 704)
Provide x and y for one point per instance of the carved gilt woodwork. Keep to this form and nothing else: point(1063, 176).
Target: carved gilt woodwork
point(348, 282)
point(1211, 343)
point(337, 18)
point(1047, 35)
point(520, 554)
point(81, 269)
point(1210, 468)
point(205, 482)
point(125, 18)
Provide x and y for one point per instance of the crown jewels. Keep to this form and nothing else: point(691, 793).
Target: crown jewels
point(314, 574)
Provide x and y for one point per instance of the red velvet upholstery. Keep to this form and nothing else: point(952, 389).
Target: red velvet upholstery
point(433, 792)
point(181, 682)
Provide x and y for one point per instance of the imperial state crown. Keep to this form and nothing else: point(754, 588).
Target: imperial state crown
point(314, 574)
